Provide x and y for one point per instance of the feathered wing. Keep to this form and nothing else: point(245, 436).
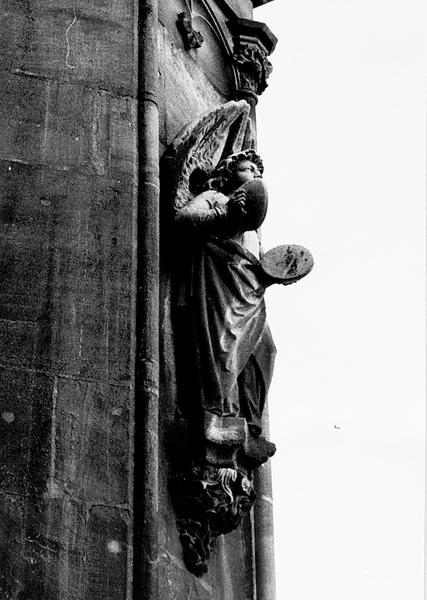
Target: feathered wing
point(202, 144)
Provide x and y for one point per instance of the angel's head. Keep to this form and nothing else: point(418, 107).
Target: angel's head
point(240, 167)
point(235, 170)
point(245, 171)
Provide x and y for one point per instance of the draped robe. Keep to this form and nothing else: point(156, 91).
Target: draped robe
point(223, 290)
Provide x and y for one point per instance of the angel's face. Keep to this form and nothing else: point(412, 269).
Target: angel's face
point(245, 171)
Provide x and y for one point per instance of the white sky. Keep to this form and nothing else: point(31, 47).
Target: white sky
point(342, 134)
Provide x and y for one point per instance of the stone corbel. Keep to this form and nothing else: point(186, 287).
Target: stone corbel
point(253, 42)
point(211, 494)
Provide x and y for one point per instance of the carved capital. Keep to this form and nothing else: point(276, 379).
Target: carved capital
point(253, 43)
point(253, 67)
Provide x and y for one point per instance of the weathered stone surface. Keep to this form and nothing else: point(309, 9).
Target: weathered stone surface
point(92, 441)
point(233, 564)
point(66, 126)
point(72, 457)
point(67, 210)
point(88, 43)
point(66, 259)
point(107, 560)
point(185, 91)
point(11, 544)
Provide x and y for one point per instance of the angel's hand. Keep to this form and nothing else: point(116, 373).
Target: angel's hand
point(237, 206)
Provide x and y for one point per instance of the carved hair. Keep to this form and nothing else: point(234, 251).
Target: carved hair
point(230, 163)
point(224, 174)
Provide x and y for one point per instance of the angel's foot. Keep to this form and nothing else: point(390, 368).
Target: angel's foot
point(258, 450)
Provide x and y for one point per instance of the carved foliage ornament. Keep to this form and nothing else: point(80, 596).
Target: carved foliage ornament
point(209, 502)
point(253, 67)
point(253, 43)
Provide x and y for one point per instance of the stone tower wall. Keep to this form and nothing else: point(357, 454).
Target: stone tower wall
point(67, 205)
point(68, 256)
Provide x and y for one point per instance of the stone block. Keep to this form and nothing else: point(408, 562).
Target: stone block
point(92, 43)
point(122, 135)
point(92, 442)
point(177, 584)
point(11, 542)
point(23, 107)
point(93, 296)
point(67, 258)
point(107, 554)
point(25, 431)
point(232, 573)
point(76, 131)
point(66, 126)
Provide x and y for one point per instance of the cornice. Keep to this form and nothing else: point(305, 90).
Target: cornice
point(253, 30)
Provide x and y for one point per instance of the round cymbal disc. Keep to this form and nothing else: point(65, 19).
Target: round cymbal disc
point(255, 203)
point(287, 263)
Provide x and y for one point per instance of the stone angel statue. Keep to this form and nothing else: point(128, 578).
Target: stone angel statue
point(225, 349)
point(218, 211)
point(233, 348)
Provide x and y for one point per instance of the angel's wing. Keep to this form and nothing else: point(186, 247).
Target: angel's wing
point(202, 144)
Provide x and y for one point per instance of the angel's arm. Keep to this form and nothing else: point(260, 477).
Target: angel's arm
point(203, 214)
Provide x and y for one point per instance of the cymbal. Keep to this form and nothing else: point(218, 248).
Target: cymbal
point(288, 263)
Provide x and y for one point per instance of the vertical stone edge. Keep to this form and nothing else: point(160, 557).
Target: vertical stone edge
point(263, 527)
point(146, 488)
